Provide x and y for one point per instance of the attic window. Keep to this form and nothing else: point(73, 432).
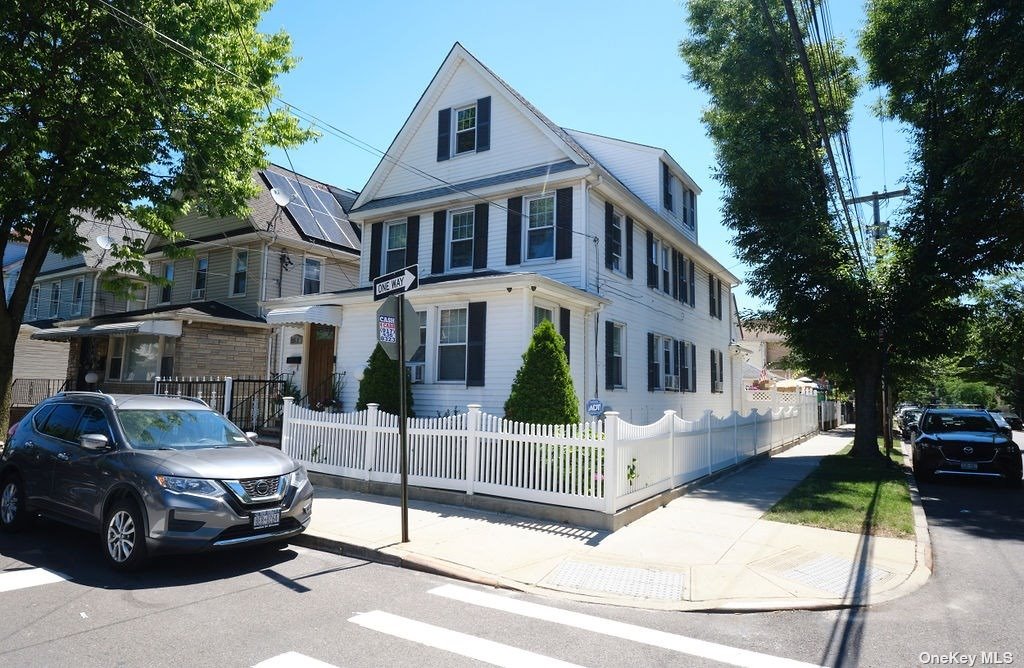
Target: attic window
point(465, 129)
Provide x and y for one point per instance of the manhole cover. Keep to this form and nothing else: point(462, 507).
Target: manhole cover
point(836, 575)
point(621, 580)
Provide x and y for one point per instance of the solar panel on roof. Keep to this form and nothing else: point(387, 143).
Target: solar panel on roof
point(317, 213)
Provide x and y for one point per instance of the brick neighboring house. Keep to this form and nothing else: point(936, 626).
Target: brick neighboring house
point(207, 319)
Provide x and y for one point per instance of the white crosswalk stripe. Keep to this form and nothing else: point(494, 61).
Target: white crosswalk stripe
point(293, 660)
point(463, 644)
point(640, 634)
point(27, 577)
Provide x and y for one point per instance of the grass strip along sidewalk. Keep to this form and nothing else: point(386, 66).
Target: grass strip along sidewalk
point(852, 494)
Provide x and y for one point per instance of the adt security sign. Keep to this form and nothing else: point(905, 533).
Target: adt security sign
point(595, 407)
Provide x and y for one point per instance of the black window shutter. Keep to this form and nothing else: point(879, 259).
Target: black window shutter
point(711, 293)
point(480, 214)
point(444, 134)
point(476, 334)
point(609, 233)
point(652, 268)
point(666, 186)
point(693, 284)
point(609, 359)
point(684, 284)
point(693, 368)
point(629, 247)
point(675, 274)
point(718, 297)
point(514, 231)
point(483, 124)
point(652, 376)
point(412, 240)
point(721, 371)
point(563, 224)
point(440, 238)
point(714, 369)
point(564, 317)
point(376, 237)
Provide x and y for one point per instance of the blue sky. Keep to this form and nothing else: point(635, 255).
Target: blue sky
point(601, 66)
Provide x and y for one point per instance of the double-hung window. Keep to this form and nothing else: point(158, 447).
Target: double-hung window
point(199, 281)
point(460, 246)
point(616, 357)
point(136, 298)
point(540, 229)
point(417, 362)
point(78, 296)
point(54, 298)
point(615, 242)
point(689, 208)
point(165, 290)
point(33, 303)
point(716, 371)
point(687, 362)
point(396, 238)
point(666, 269)
point(312, 269)
point(663, 361)
point(540, 314)
point(715, 295)
point(465, 129)
point(453, 334)
point(239, 276)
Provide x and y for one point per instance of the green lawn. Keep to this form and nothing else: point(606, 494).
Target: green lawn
point(852, 495)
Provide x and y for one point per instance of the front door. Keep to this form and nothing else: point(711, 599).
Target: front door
point(320, 372)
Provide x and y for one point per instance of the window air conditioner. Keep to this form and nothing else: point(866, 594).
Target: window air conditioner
point(199, 293)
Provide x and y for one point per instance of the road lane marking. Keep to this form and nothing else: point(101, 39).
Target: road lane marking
point(293, 660)
point(608, 627)
point(455, 642)
point(29, 577)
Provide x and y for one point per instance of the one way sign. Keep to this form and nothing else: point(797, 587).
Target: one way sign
point(397, 282)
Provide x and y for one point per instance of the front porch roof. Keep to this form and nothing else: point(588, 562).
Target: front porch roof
point(153, 327)
point(322, 314)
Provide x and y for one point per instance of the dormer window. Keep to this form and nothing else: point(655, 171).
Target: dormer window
point(464, 129)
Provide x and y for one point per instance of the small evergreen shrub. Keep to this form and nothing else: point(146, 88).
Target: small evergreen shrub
point(380, 384)
point(542, 391)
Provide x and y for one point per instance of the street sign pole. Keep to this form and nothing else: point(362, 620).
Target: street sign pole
point(403, 412)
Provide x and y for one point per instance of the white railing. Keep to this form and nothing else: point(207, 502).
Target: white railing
point(602, 465)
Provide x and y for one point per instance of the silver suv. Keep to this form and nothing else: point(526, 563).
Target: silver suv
point(150, 474)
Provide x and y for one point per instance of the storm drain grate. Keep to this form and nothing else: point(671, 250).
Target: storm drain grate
point(621, 580)
point(836, 575)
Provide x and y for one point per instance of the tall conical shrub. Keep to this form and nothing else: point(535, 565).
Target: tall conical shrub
point(380, 384)
point(543, 391)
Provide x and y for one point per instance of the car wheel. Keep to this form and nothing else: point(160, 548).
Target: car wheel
point(14, 514)
point(124, 536)
point(921, 474)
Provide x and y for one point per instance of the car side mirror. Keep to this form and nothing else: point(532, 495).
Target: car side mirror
point(251, 435)
point(94, 442)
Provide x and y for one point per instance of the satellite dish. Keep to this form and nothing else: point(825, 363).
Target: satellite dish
point(104, 242)
point(280, 197)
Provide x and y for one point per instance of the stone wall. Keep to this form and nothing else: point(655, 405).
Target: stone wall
point(207, 349)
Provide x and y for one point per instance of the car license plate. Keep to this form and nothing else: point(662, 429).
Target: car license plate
point(968, 466)
point(261, 519)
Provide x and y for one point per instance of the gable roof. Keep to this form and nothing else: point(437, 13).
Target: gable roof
point(456, 57)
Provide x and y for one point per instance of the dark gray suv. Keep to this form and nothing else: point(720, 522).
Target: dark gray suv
point(150, 474)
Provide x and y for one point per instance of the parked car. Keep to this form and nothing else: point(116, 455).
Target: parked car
point(150, 474)
point(1014, 421)
point(964, 442)
point(907, 421)
point(1001, 422)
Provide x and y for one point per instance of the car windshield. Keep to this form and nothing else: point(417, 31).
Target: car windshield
point(947, 423)
point(178, 429)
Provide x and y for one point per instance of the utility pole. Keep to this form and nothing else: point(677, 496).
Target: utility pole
point(880, 232)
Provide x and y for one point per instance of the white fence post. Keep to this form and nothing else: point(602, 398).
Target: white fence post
point(228, 393)
point(371, 439)
point(735, 437)
point(711, 448)
point(611, 474)
point(671, 415)
point(472, 444)
point(286, 436)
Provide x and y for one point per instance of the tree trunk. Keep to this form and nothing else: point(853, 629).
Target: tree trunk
point(867, 385)
point(7, 342)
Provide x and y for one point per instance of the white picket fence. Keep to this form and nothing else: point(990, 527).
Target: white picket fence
point(601, 465)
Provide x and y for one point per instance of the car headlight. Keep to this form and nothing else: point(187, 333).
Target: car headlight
point(199, 486)
point(299, 476)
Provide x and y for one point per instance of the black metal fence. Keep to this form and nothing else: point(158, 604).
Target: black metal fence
point(256, 402)
point(30, 391)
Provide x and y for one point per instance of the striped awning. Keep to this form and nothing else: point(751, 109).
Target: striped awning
point(322, 314)
point(152, 327)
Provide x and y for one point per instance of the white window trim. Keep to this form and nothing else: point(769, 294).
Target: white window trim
point(78, 301)
point(320, 261)
point(455, 153)
point(169, 288)
point(130, 298)
point(449, 240)
point(551, 307)
point(421, 366)
point(547, 259)
point(234, 272)
point(33, 302)
point(623, 351)
point(434, 339)
point(195, 277)
point(384, 244)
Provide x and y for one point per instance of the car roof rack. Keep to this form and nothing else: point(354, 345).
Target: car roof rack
point(86, 394)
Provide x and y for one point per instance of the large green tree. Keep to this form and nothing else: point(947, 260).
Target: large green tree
point(139, 108)
point(997, 337)
point(940, 64)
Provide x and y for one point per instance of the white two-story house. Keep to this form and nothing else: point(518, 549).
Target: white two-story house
point(511, 220)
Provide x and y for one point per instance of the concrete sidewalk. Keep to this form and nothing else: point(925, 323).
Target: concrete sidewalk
point(707, 550)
